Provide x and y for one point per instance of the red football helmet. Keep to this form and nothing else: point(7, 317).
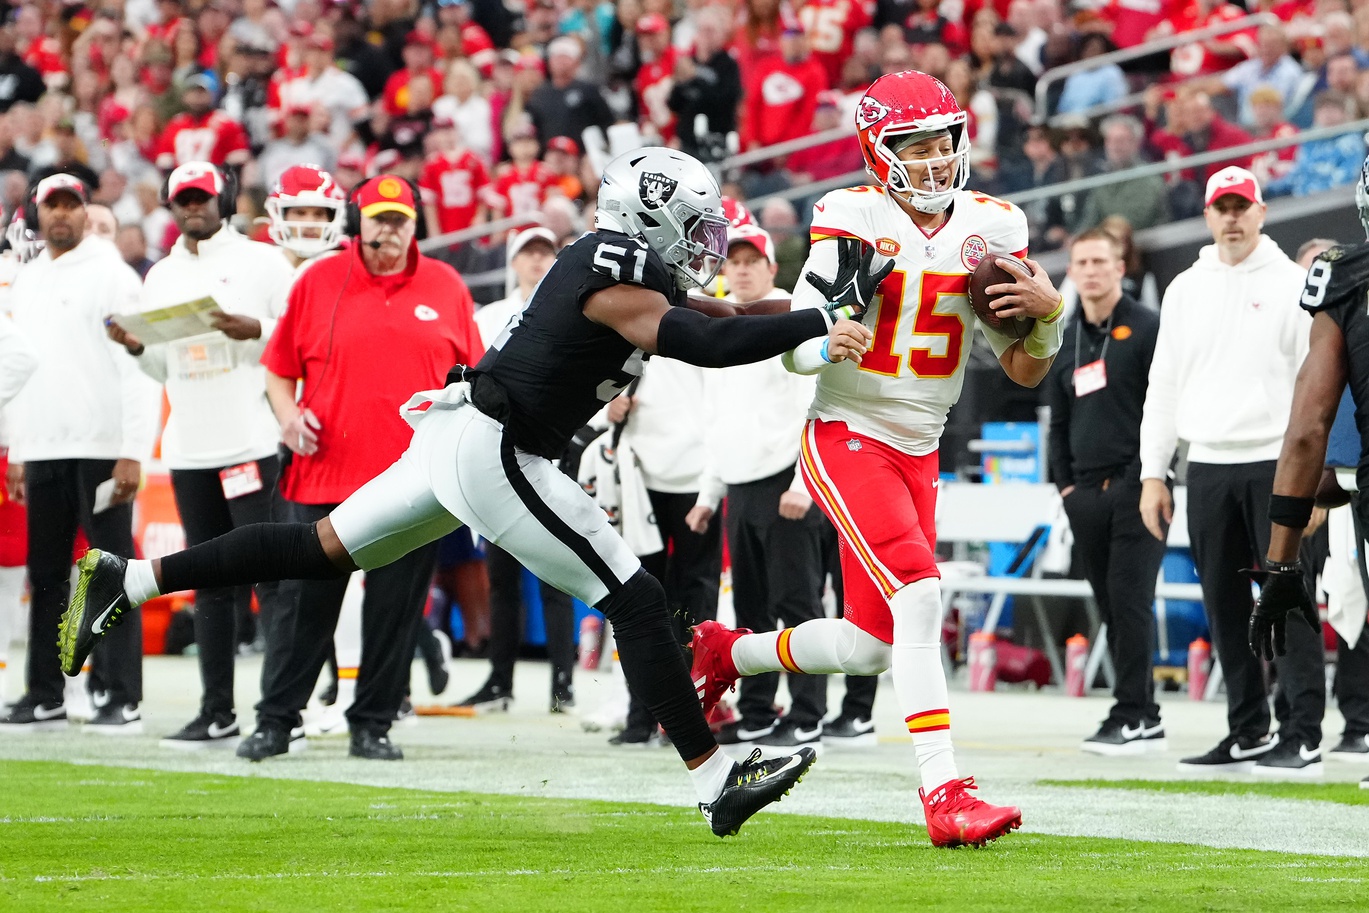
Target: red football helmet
point(736, 214)
point(305, 185)
point(897, 107)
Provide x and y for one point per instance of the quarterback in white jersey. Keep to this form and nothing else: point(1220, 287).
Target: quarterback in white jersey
point(868, 454)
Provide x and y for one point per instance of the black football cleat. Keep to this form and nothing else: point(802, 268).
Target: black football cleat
point(752, 785)
point(97, 604)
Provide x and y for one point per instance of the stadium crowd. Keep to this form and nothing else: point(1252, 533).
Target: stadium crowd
point(476, 111)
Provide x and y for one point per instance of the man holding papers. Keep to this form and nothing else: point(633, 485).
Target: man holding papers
point(82, 425)
point(221, 438)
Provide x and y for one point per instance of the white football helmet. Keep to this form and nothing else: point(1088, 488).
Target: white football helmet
point(305, 185)
point(1362, 196)
point(671, 201)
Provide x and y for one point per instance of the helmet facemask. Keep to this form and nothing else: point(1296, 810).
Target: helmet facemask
point(1362, 196)
point(696, 258)
point(927, 183)
point(304, 239)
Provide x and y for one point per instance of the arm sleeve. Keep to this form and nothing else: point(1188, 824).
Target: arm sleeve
point(17, 360)
point(721, 342)
point(1158, 434)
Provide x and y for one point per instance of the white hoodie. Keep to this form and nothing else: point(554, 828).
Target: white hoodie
point(87, 399)
point(1231, 341)
point(216, 385)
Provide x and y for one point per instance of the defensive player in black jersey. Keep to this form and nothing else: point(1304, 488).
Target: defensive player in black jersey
point(1337, 296)
point(481, 450)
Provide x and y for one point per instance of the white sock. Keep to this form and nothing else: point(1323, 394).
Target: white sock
point(11, 605)
point(140, 584)
point(710, 777)
point(820, 646)
point(920, 680)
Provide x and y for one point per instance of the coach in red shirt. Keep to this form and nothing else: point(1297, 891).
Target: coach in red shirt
point(364, 328)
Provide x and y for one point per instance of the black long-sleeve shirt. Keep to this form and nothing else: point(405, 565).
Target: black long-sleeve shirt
point(1098, 436)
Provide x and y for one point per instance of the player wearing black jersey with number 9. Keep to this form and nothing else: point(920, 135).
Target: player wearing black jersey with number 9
point(1335, 295)
point(482, 449)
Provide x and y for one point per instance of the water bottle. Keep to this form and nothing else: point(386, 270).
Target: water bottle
point(983, 662)
point(591, 641)
point(1076, 658)
point(1199, 663)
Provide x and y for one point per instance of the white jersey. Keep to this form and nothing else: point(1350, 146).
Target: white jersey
point(923, 325)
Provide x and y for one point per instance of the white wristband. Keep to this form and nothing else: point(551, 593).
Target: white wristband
point(1044, 340)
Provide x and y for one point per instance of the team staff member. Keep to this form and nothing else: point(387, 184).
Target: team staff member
point(87, 417)
point(362, 331)
point(221, 438)
point(17, 362)
point(1096, 391)
point(1231, 342)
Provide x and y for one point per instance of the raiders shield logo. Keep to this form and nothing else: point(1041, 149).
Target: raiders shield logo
point(655, 189)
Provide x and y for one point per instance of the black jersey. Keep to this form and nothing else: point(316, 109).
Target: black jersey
point(557, 366)
point(1338, 283)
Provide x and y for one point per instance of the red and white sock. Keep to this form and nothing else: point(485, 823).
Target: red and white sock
point(920, 679)
point(823, 646)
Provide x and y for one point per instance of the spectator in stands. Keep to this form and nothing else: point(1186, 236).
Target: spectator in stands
point(520, 186)
point(298, 145)
point(562, 159)
point(201, 133)
point(418, 61)
point(925, 24)
point(1040, 167)
point(1138, 281)
point(1340, 73)
point(1213, 55)
point(1266, 105)
point(1142, 201)
point(708, 83)
point(468, 110)
point(655, 78)
point(322, 85)
point(132, 244)
point(1207, 131)
point(1096, 391)
point(826, 160)
point(1079, 158)
point(1272, 67)
point(454, 179)
point(791, 245)
point(355, 53)
point(982, 112)
point(67, 462)
point(566, 105)
point(1201, 392)
point(775, 537)
point(831, 28)
point(1094, 87)
point(1324, 164)
point(342, 429)
point(18, 80)
point(220, 439)
point(782, 93)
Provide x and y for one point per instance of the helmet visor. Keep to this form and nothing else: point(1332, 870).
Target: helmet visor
point(708, 243)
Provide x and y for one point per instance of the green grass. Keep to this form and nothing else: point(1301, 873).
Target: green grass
point(1340, 793)
point(101, 839)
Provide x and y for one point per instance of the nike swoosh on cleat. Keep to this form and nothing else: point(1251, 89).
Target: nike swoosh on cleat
point(99, 626)
point(794, 761)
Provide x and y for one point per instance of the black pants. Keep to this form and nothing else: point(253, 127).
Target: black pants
point(1228, 524)
point(690, 569)
point(859, 700)
point(391, 611)
point(61, 497)
point(777, 576)
point(1121, 559)
point(206, 513)
point(506, 619)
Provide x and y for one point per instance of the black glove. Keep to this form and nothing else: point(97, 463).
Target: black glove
point(851, 293)
point(1283, 588)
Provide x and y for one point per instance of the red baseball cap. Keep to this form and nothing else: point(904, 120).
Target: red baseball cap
point(194, 176)
point(60, 183)
point(652, 24)
point(756, 236)
point(386, 193)
point(563, 144)
point(530, 62)
point(1233, 180)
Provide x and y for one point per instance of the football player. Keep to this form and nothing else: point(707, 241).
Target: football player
point(483, 447)
point(869, 454)
point(1338, 352)
point(306, 212)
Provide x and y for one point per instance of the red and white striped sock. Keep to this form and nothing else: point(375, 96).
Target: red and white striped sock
point(822, 646)
point(920, 680)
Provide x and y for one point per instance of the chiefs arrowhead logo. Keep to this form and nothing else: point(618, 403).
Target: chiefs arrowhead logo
point(869, 113)
point(655, 189)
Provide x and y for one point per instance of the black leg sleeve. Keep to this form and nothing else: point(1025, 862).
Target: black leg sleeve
point(654, 663)
point(250, 554)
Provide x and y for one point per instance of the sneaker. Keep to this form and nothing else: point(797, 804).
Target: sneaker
point(1116, 739)
point(562, 692)
point(97, 604)
point(405, 715)
point(788, 734)
point(751, 786)
point(849, 732)
point(78, 700)
point(1364, 784)
point(326, 722)
point(1233, 754)
point(269, 741)
point(1353, 747)
point(374, 746)
point(955, 818)
point(1290, 759)
point(742, 732)
point(116, 719)
point(205, 731)
point(28, 715)
point(491, 698)
point(712, 669)
point(637, 737)
point(439, 667)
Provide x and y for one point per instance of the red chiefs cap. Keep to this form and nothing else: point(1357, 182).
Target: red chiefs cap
point(386, 193)
point(652, 24)
point(564, 144)
point(1233, 180)
point(754, 235)
point(194, 176)
point(60, 183)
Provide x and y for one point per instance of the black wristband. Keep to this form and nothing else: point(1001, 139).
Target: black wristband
point(1279, 567)
point(1295, 513)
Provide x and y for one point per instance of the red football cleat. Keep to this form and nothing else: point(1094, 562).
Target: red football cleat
point(955, 818)
point(721, 715)
point(713, 671)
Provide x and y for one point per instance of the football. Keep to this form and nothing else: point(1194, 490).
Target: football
point(989, 273)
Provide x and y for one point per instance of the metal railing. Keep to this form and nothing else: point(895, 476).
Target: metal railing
point(1055, 74)
point(1135, 99)
point(1189, 161)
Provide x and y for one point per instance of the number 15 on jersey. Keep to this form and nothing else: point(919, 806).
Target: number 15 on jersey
point(928, 290)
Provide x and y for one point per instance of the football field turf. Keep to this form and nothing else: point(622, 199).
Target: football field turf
point(96, 838)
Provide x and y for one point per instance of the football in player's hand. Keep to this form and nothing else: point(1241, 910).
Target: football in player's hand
point(988, 273)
